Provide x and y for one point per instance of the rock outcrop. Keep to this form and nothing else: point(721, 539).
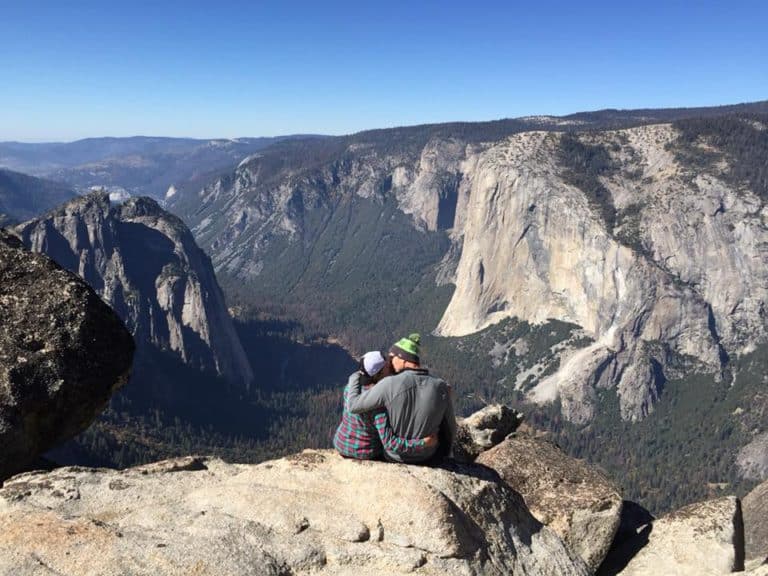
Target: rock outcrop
point(63, 352)
point(752, 460)
point(631, 536)
point(483, 430)
point(144, 262)
point(576, 501)
point(761, 570)
point(755, 510)
point(312, 512)
point(701, 539)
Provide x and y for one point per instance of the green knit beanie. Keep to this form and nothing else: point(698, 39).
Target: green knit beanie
point(407, 348)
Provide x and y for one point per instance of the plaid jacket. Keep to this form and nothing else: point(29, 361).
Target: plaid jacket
point(364, 436)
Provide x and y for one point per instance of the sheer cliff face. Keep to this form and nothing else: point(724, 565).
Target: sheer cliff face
point(146, 265)
point(664, 267)
point(682, 275)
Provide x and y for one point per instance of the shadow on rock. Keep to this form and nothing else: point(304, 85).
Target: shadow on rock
point(632, 536)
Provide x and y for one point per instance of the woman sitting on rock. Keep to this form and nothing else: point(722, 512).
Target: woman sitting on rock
point(364, 436)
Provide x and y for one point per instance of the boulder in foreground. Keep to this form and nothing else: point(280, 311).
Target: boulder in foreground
point(311, 512)
point(755, 509)
point(483, 430)
point(702, 539)
point(63, 352)
point(572, 498)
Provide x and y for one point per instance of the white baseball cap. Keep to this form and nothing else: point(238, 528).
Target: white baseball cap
point(373, 362)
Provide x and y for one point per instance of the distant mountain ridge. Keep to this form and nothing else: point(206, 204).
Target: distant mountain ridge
point(141, 165)
point(144, 165)
point(23, 197)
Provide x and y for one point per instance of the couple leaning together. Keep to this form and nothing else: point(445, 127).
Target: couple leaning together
point(393, 408)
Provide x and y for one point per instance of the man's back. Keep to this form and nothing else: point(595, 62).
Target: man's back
point(418, 405)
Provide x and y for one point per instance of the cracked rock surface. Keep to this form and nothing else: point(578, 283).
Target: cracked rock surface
point(702, 539)
point(572, 498)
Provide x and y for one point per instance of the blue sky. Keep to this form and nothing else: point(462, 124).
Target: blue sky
point(74, 69)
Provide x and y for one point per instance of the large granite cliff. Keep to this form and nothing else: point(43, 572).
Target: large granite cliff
point(146, 265)
point(681, 273)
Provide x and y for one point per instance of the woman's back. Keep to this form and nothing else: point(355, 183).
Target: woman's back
point(356, 436)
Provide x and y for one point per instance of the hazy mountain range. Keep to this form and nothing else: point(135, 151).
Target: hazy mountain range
point(23, 197)
point(151, 165)
point(139, 165)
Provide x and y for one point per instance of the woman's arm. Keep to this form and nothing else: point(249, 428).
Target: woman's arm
point(397, 444)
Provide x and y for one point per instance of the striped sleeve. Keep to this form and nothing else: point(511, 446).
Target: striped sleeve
point(393, 443)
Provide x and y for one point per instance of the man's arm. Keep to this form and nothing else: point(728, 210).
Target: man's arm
point(371, 399)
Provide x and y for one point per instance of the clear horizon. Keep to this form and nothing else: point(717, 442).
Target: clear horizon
point(193, 70)
point(242, 136)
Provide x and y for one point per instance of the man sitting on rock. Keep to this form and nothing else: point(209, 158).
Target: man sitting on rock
point(418, 403)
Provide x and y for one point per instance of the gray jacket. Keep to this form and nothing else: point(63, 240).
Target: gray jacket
point(418, 405)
